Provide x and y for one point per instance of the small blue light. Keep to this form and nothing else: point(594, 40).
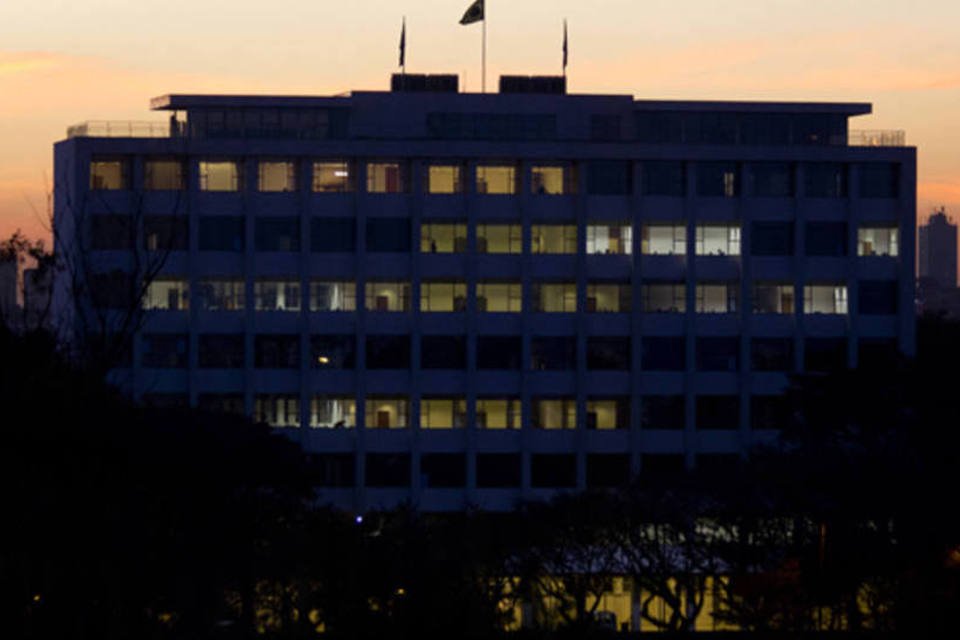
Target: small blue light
point(359, 519)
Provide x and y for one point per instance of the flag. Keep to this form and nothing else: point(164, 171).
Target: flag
point(474, 13)
point(565, 50)
point(403, 44)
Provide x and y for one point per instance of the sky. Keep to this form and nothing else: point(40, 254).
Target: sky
point(66, 61)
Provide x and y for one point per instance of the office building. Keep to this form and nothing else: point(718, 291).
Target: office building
point(471, 299)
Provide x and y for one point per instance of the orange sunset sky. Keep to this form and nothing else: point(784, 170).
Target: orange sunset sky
point(63, 62)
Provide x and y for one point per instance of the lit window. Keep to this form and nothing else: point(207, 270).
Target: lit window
point(276, 295)
point(443, 413)
point(664, 298)
point(277, 410)
point(496, 179)
point(443, 296)
point(608, 298)
point(333, 413)
point(610, 239)
point(553, 238)
point(385, 177)
point(386, 413)
point(555, 297)
point(387, 296)
point(443, 179)
point(333, 296)
point(499, 238)
point(221, 295)
point(332, 176)
point(771, 297)
point(276, 176)
point(718, 298)
point(499, 297)
point(608, 414)
point(547, 180)
point(560, 413)
point(171, 295)
point(163, 175)
point(664, 239)
point(498, 413)
point(443, 238)
point(106, 174)
point(718, 240)
point(878, 241)
point(219, 175)
point(825, 298)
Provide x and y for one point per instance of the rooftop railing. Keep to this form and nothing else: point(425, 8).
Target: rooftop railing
point(877, 138)
point(119, 129)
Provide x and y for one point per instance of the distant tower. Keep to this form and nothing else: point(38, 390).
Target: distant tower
point(938, 250)
point(8, 288)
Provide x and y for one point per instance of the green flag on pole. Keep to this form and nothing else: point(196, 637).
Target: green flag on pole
point(473, 14)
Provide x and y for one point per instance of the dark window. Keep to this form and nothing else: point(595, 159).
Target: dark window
point(772, 239)
point(221, 233)
point(768, 129)
point(165, 233)
point(606, 470)
point(499, 352)
point(718, 179)
point(820, 128)
point(554, 353)
point(608, 177)
point(277, 351)
point(388, 470)
point(443, 352)
point(608, 354)
point(718, 465)
point(659, 468)
point(218, 351)
point(604, 127)
point(877, 297)
point(388, 235)
point(825, 180)
point(498, 470)
point(166, 400)
point(221, 403)
point(333, 235)
point(332, 470)
point(825, 354)
point(113, 290)
point(111, 233)
point(879, 180)
point(332, 352)
point(664, 353)
point(718, 354)
point(770, 412)
point(772, 179)
point(388, 352)
point(826, 239)
point(278, 234)
point(658, 127)
point(443, 470)
point(663, 178)
point(663, 412)
point(710, 128)
point(878, 353)
point(718, 412)
point(553, 471)
point(164, 351)
point(771, 354)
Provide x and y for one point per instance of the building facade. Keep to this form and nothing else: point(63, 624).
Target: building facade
point(472, 299)
point(938, 251)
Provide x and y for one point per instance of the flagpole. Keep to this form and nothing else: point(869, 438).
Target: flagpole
point(483, 52)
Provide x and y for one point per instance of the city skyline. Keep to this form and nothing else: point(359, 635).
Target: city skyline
point(110, 58)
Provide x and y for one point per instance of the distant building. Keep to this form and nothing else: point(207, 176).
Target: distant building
point(938, 251)
point(8, 289)
point(461, 299)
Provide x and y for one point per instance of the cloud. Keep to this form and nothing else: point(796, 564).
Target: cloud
point(24, 62)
